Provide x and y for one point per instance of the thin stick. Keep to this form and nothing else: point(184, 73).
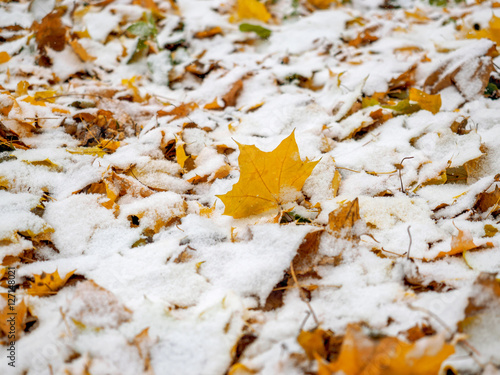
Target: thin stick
point(303, 295)
point(399, 170)
point(409, 245)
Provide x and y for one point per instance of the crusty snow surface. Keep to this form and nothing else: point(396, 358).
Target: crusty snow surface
point(197, 307)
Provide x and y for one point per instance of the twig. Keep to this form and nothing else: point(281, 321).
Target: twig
point(399, 170)
point(303, 295)
point(409, 245)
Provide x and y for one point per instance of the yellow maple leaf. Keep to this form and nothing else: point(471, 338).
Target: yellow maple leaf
point(491, 32)
point(362, 355)
point(4, 57)
point(251, 9)
point(267, 179)
point(431, 103)
point(48, 283)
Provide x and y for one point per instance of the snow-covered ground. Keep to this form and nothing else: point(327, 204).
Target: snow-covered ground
point(113, 157)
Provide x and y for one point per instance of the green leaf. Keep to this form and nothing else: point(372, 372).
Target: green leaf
point(262, 32)
point(403, 107)
point(143, 30)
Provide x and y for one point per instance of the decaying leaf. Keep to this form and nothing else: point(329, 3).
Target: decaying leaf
point(362, 355)
point(267, 179)
point(48, 284)
point(342, 219)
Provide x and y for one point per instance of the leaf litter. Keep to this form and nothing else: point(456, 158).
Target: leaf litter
point(231, 174)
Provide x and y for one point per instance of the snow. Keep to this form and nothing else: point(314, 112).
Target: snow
point(199, 281)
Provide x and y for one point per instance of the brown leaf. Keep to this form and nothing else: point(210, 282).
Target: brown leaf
point(307, 253)
point(51, 33)
point(468, 72)
point(344, 218)
point(486, 202)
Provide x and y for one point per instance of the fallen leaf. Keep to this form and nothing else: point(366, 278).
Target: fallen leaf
point(19, 311)
point(209, 33)
point(4, 57)
point(488, 202)
point(48, 284)
point(45, 163)
point(460, 243)
point(491, 32)
point(362, 355)
point(262, 32)
point(22, 88)
point(51, 33)
point(307, 253)
point(431, 103)
point(130, 83)
point(344, 218)
point(179, 111)
point(321, 4)
point(267, 179)
point(468, 69)
point(80, 51)
point(313, 343)
point(251, 9)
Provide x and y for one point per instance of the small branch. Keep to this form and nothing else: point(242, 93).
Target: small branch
point(409, 245)
point(399, 170)
point(303, 295)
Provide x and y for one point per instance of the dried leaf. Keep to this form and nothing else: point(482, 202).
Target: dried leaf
point(431, 103)
point(344, 217)
point(80, 51)
point(488, 202)
point(48, 284)
point(313, 343)
point(459, 243)
point(179, 111)
point(208, 33)
point(50, 32)
point(267, 179)
point(307, 253)
point(20, 312)
point(362, 355)
point(321, 4)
